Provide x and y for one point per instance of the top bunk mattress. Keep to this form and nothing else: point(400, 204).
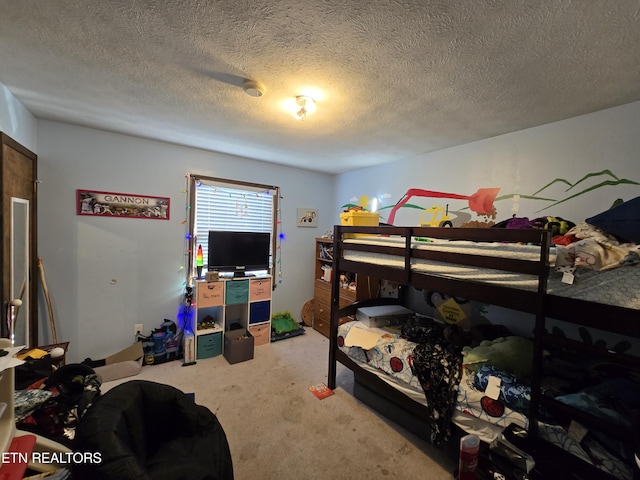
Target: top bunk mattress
point(461, 272)
point(616, 286)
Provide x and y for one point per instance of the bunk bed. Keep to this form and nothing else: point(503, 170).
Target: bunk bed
point(510, 268)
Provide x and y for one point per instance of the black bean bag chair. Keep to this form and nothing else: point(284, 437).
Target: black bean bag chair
point(149, 431)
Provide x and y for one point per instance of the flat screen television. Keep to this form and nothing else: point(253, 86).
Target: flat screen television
point(238, 252)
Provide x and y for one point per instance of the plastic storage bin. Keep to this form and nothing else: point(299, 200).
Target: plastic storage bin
point(358, 218)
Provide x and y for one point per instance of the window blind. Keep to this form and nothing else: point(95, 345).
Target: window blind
point(223, 205)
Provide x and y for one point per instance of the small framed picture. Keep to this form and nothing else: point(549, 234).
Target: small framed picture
point(307, 217)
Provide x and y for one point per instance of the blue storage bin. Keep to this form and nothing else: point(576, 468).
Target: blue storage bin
point(260, 312)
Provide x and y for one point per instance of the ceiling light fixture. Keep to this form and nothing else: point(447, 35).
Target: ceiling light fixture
point(307, 106)
point(253, 88)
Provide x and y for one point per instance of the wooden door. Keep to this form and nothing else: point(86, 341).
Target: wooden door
point(19, 239)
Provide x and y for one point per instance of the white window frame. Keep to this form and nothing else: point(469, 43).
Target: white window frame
point(247, 197)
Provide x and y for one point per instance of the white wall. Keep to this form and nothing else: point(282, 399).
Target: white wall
point(16, 121)
point(517, 163)
point(107, 274)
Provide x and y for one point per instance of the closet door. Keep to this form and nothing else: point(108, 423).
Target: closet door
point(19, 242)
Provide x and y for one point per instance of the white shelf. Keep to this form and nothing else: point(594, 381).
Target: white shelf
point(206, 331)
point(231, 301)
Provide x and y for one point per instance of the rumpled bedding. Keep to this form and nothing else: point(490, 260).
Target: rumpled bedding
point(513, 394)
point(27, 401)
point(472, 400)
point(433, 365)
point(589, 450)
point(589, 247)
point(615, 400)
point(392, 354)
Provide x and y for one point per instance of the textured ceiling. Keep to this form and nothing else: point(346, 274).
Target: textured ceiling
point(393, 79)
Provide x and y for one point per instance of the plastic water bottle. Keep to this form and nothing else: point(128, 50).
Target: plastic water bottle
point(468, 464)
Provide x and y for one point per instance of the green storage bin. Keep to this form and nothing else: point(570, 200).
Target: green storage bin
point(209, 345)
point(237, 291)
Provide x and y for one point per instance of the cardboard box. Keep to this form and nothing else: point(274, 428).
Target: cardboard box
point(211, 276)
point(134, 352)
point(125, 363)
point(189, 349)
point(383, 315)
point(238, 345)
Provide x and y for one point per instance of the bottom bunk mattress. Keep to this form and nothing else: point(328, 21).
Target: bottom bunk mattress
point(396, 361)
point(474, 409)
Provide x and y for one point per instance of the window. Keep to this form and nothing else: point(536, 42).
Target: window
point(219, 204)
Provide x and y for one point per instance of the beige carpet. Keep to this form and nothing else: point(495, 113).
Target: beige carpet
point(277, 429)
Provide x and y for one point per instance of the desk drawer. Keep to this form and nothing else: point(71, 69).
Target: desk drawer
point(322, 318)
point(323, 295)
point(321, 311)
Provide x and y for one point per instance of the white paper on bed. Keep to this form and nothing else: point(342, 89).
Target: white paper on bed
point(358, 337)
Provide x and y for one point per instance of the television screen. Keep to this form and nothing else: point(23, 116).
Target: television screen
point(238, 252)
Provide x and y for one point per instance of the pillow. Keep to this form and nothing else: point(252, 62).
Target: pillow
point(622, 221)
point(513, 354)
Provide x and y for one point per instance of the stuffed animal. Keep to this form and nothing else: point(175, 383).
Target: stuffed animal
point(557, 225)
point(518, 222)
point(513, 354)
